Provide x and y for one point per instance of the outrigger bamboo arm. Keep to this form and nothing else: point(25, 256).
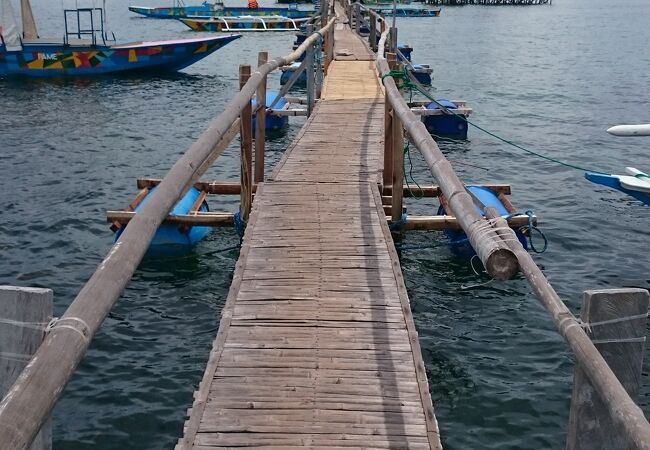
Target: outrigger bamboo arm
point(624, 412)
point(499, 261)
point(30, 401)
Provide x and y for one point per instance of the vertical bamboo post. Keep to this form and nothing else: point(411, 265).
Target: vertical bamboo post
point(398, 167)
point(350, 15)
point(24, 312)
point(388, 133)
point(618, 328)
point(373, 33)
point(246, 140)
point(357, 17)
point(393, 40)
point(323, 13)
point(330, 48)
point(309, 58)
point(260, 122)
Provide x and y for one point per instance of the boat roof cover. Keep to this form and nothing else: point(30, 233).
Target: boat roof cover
point(8, 26)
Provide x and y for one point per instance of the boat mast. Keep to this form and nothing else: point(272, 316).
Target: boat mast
point(29, 24)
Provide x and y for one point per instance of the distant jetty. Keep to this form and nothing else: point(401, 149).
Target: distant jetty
point(487, 2)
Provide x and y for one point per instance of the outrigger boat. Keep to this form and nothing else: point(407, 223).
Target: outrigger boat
point(245, 23)
point(32, 56)
point(216, 9)
point(636, 183)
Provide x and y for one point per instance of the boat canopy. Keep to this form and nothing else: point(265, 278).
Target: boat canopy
point(8, 27)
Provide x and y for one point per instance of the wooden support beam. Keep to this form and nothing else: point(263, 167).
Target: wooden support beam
point(24, 315)
point(134, 204)
point(618, 330)
point(210, 187)
point(260, 121)
point(246, 139)
point(388, 133)
point(309, 60)
point(204, 219)
point(449, 222)
point(397, 145)
point(501, 190)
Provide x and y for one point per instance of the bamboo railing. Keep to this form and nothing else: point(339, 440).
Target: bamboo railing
point(29, 402)
point(624, 413)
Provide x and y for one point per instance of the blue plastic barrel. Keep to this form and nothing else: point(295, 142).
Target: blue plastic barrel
point(446, 125)
point(172, 238)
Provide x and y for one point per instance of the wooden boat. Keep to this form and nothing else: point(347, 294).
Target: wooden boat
point(245, 23)
point(206, 10)
point(40, 57)
point(407, 11)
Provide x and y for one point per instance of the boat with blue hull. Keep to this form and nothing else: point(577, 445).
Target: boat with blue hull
point(207, 10)
point(245, 23)
point(407, 11)
point(84, 52)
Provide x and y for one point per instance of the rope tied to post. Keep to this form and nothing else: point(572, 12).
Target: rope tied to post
point(527, 230)
point(398, 224)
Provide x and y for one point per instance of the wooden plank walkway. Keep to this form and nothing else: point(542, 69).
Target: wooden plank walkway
point(316, 347)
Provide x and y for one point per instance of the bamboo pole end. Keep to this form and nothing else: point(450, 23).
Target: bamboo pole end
point(502, 264)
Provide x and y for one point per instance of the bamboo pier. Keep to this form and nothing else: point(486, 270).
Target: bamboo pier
point(317, 346)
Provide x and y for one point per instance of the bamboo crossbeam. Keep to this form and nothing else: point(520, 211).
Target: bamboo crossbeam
point(421, 111)
point(205, 219)
point(31, 399)
point(209, 187)
point(435, 191)
point(440, 223)
point(499, 261)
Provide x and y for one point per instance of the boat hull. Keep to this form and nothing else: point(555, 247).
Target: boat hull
point(53, 60)
point(239, 24)
point(408, 12)
point(207, 11)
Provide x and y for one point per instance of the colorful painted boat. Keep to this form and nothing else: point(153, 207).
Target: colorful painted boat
point(405, 11)
point(245, 23)
point(38, 57)
point(207, 10)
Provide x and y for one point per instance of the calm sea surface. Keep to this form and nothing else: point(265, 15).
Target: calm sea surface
point(551, 78)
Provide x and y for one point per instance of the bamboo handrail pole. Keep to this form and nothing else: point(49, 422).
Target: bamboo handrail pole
point(499, 261)
point(31, 399)
point(624, 412)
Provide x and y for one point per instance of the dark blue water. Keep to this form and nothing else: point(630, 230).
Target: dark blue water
point(551, 78)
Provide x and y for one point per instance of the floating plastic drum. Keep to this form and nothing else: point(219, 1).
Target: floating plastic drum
point(273, 122)
point(446, 125)
point(458, 239)
point(172, 238)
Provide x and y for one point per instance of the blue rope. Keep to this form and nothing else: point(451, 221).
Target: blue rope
point(239, 225)
point(397, 225)
point(530, 228)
